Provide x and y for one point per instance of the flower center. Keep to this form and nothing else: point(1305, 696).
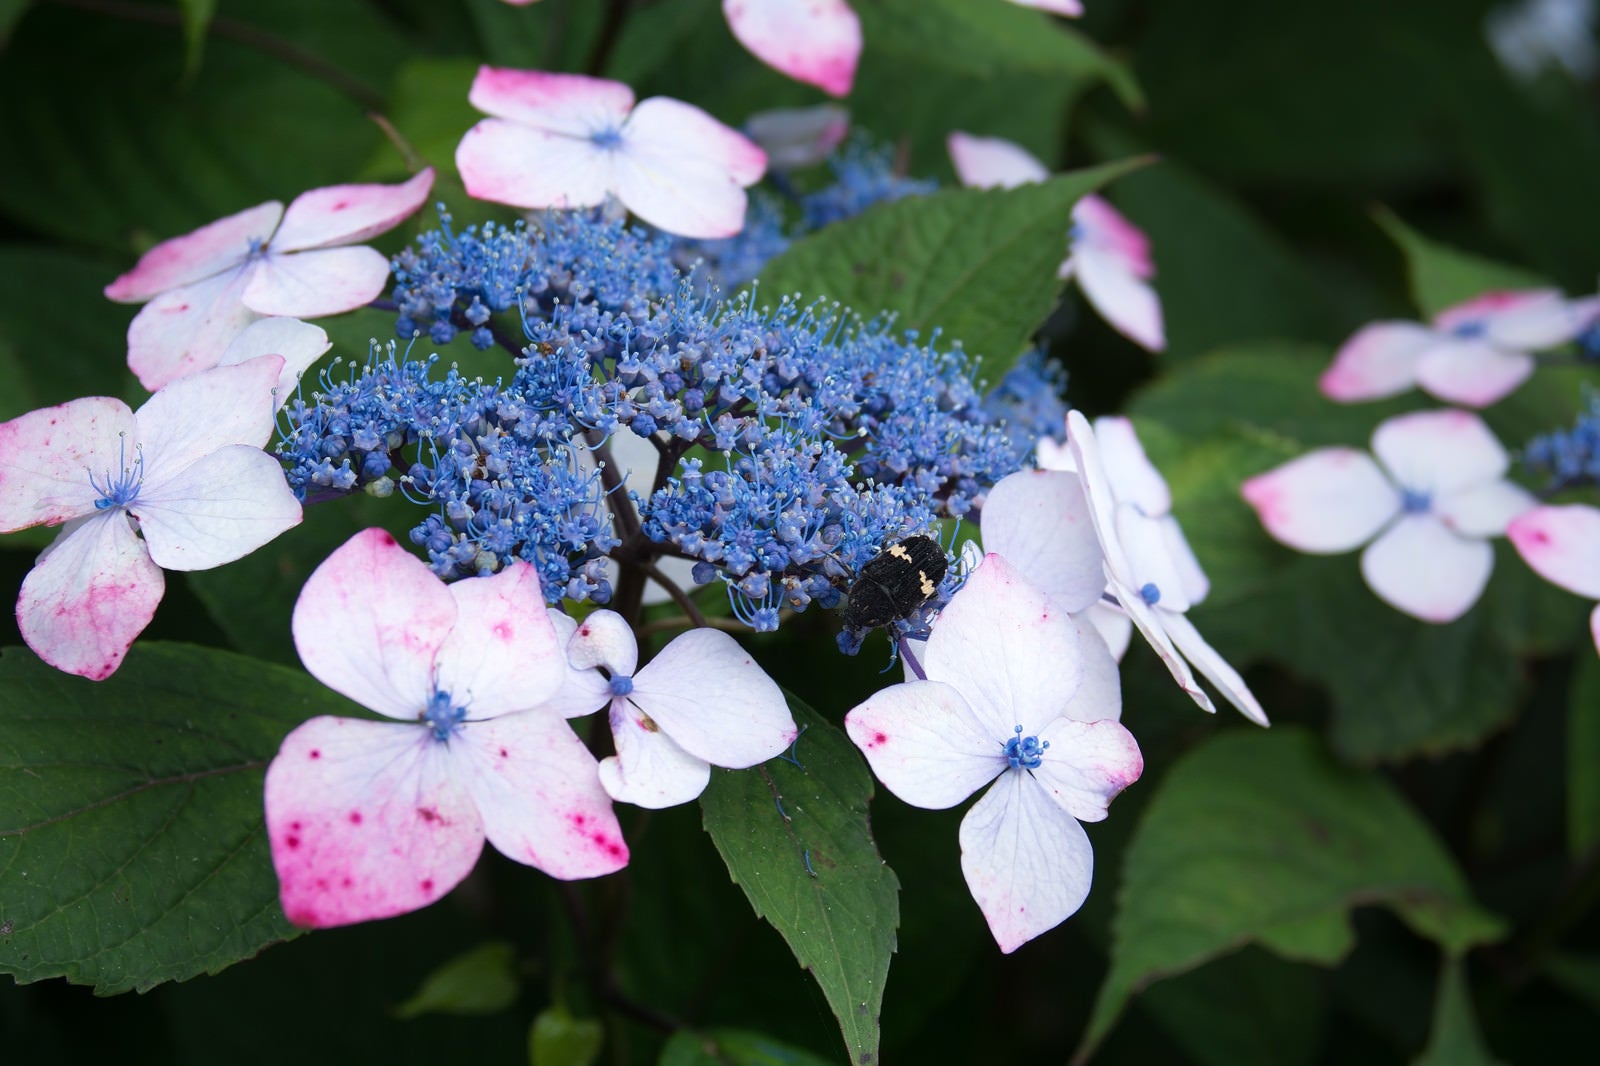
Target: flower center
point(1469, 329)
point(1025, 753)
point(609, 138)
point(621, 685)
point(1150, 593)
point(1414, 501)
point(442, 716)
point(120, 489)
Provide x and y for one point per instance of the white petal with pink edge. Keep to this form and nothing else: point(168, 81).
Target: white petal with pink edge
point(1437, 452)
point(1485, 509)
point(649, 769)
point(1379, 360)
point(813, 41)
point(89, 595)
point(1026, 861)
point(507, 163)
point(186, 330)
point(605, 639)
point(1213, 667)
point(1070, 8)
point(366, 820)
point(1086, 765)
point(1121, 297)
point(502, 654)
point(1327, 501)
point(49, 456)
point(196, 415)
point(572, 104)
point(1517, 319)
point(219, 508)
point(1562, 545)
point(992, 162)
point(1594, 627)
point(537, 790)
point(1471, 373)
point(681, 170)
point(299, 344)
point(1134, 478)
point(1099, 226)
point(1038, 520)
point(924, 743)
point(322, 281)
point(1418, 566)
point(369, 621)
point(195, 256)
point(349, 214)
point(710, 697)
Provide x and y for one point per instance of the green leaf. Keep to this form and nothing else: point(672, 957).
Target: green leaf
point(1283, 1025)
point(1441, 275)
point(428, 107)
point(134, 850)
point(480, 981)
point(979, 264)
point(1583, 757)
point(1256, 832)
point(556, 1038)
point(732, 1047)
point(10, 12)
point(196, 19)
point(797, 840)
point(1579, 975)
point(1455, 1040)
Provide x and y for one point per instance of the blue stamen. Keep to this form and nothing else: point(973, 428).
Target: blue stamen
point(621, 685)
point(609, 138)
point(1150, 594)
point(1025, 753)
point(122, 489)
point(1469, 330)
point(442, 716)
point(1415, 502)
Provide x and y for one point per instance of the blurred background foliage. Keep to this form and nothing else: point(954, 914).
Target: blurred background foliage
point(1404, 869)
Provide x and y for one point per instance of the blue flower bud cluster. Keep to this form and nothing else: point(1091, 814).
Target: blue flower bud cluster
point(864, 175)
point(1568, 458)
point(1030, 402)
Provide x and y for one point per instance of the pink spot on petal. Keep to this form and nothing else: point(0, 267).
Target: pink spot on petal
point(291, 842)
point(355, 817)
point(315, 754)
point(427, 884)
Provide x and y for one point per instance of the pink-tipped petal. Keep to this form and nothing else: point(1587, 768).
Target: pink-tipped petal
point(925, 744)
point(649, 769)
point(1098, 226)
point(219, 508)
point(1327, 501)
point(1519, 319)
point(299, 344)
point(366, 820)
point(349, 214)
point(195, 256)
point(1438, 452)
point(196, 415)
point(1113, 627)
point(1472, 373)
point(992, 162)
point(1027, 862)
point(1483, 510)
point(323, 281)
point(813, 41)
point(605, 639)
point(1379, 361)
point(369, 622)
point(583, 691)
point(537, 789)
point(48, 456)
point(1418, 566)
point(1068, 8)
point(1145, 541)
point(1213, 667)
point(89, 595)
point(1134, 478)
point(572, 104)
point(1122, 298)
point(795, 137)
point(1087, 765)
point(507, 163)
point(1562, 545)
point(185, 331)
point(1038, 520)
point(502, 655)
point(707, 693)
point(681, 170)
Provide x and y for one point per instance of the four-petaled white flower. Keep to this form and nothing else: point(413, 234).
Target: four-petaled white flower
point(569, 140)
point(205, 287)
point(1562, 544)
point(1004, 698)
point(179, 484)
point(701, 702)
point(371, 819)
point(1474, 353)
point(1434, 495)
point(1110, 256)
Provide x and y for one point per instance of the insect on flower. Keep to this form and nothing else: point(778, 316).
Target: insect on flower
point(895, 582)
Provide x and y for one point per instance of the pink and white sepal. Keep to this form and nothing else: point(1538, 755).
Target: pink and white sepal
point(205, 287)
point(179, 484)
point(1428, 504)
point(1004, 701)
point(817, 42)
point(1562, 545)
point(371, 819)
point(1474, 354)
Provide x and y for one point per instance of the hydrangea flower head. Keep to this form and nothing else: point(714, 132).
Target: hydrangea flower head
point(370, 819)
point(1562, 544)
point(1428, 503)
point(205, 287)
point(179, 484)
point(569, 140)
point(1004, 701)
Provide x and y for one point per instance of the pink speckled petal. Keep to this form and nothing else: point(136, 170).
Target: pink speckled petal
point(506, 163)
point(299, 344)
point(537, 789)
point(369, 622)
point(583, 691)
point(649, 769)
point(89, 595)
point(683, 171)
point(1472, 373)
point(1418, 566)
point(220, 508)
point(1069, 8)
point(1145, 541)
point(1039, 521)
point(48, 456)
point(323, 281)
point(604, 638)
point(349, 214)
point(795, 137)
point(502, 655)
point(707, 693)
point(1099, 226)
point(1122, 298)
point(992, 162)
point(1379, 360)
point(1562, 545)
point(814, 41)
point(185, 331)
point(1522, 318)
point(1327, 501)
point(1134, 478)
point(195, 256)
point(196, 415)
point(572, 104)
point(1212, 666)
point(366, 820)
point(1086, 765)
point(1485, 509)
point(1027, 862)
point(925, 744)
point(1439, 451)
